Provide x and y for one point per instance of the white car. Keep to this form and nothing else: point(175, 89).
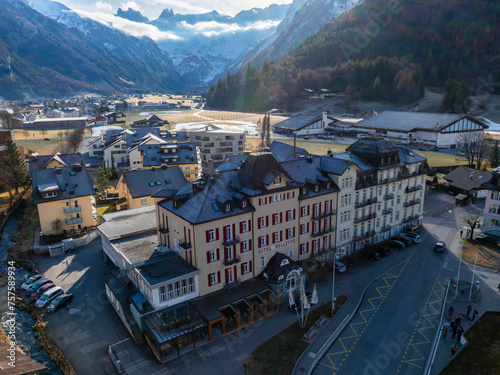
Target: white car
point(48, 296)
point(415, 237)
point(31, 280)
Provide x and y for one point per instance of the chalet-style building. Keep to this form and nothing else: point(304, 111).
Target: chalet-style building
point(149, 121)
point(304, 125)
point(468, 181)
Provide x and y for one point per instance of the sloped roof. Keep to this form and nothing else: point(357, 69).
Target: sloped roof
point(40, 162)
point(72, 183)
point(411, 121)
point(274, 268)
point(297, 122)
point(283, 151)
point(371, 146)
point(232, 162)
point(494, 182)
point(147, 182)
point(333, 165)
point(467, 178)
point(152, 156)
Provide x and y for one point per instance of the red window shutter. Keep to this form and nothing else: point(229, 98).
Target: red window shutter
point(218, 276)
point(281, 217)
point(281, 235)
point(267, 220)
point(308, 210)
point(293, 194)
point(227, 275)
point(307, 247)
point(249, 225)
point(242, 269)
point(208, 236)
point(267, 239)
point(249, 245)
point(294, 214)
point(224, 234)
point(241, 227)
point(307, 231)
point(217, 234)
point(274, 221)
point(189, 236)
point(250, 266)
point(234, 251)
point(218, 253)
point(208, 256)
point(209, 280)
point(185, 234)
point(293, 232)
point(258, 223)
point(235, 268)
point(265, 200)
point(241, 247)
point(234, 230)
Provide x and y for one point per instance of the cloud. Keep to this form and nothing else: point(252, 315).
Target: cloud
point(213, 28)
point(129, 27)
point(103, 7)
point(130, 4)
point(180, 6)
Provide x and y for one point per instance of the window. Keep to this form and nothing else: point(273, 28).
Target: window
point(184, 287)
point(316, 209)
point(276, 237)
point(303, 211)
point(144, 201)
point(304, 190)
point(243, 203)
point(212, 256)
point(328, 207)
point(276, 218)
point(290, 195)
point(262, 222)
point(191, 285)
point(246, 268)
point(316, 188)
point(289, 215)
point(228, 207)
point(262, 241)
point(262, 262)
point(244, 226)
point(244, 246)
point(303, 229)
point(289, 233)
point(262, 201)
point(175, 226)
point(277, 181)
point(303, 248)
point(228, 231)
point(213, 279)
point(290, 253)
point(211, 233)
point(228, 253)
point(163, 294)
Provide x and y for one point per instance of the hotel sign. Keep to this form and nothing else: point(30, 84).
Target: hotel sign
point(276, 246)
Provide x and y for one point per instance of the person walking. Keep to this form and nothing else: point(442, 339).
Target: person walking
point(453, 329)
point(458, 320)
point(474, 313)
point(450, 312)
point(453, 349)
point(462, 233)
point(469, 309)
point(459, 333)
point(445, 333)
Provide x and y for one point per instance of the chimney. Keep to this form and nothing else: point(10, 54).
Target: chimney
point(163, 166)
point(210, 165)
point(153, 169)
point(58, 170)
point(309, 159)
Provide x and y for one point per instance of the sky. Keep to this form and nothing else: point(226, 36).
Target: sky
point(153, 8)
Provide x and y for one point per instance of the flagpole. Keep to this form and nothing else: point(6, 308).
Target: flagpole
point(473, 275)
point(459, 264)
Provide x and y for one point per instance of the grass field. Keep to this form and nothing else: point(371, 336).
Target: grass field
point(42, 147)
point(482, 355)
point(321, 147)
point(278, 355)
point(486, 255)
point(105, 207)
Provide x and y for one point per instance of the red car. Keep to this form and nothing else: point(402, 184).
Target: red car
point(41, 290)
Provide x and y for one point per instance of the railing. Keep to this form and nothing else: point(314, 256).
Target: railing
point(185, 245)
point(228, 262)
point(324, 215)
point(387, 211)
point(410, 218)
point(366, 202)
point(322, 251)
point(413, 202)
point(364, 236)
point(357, 220)
point(387, 180)
point(231, 241)
point(72, 210)
point(386, 228)
point(388, 196)
point(413, 188)
point(322, 232)
point(163, 230)
point(75, 221)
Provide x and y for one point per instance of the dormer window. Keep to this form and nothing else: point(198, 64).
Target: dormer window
point(228, 207)
point(316, 188)
point(328, 185)
point(50, 194)
point(277, 181)
point(304, 190)
point(243, 203)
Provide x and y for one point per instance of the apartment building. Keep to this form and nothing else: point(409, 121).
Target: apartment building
point(491, 221)
point(216, 144)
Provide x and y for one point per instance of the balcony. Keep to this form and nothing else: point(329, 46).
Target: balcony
point(185, 245)
point(323, 232)
point(74, 221)
point(72, 210)
point(366, 202)
point(413, 202)
point(413, 188)
point(387, 180)
point(357, 220)
point(386, 228)
point(231, 241)
point(410, 218)
point(324, 215)
point(364, 236)
point(228, 262)
point(388, 196)
point(322, 251)
point(163, 230)
point(387, 211)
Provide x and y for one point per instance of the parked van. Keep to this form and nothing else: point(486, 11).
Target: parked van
point(413, 229)
point(48, 296)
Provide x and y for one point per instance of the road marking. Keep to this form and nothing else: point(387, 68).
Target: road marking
point(373, 309)
point(433, 306)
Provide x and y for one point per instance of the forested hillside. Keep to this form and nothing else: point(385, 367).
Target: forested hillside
point(381, 50)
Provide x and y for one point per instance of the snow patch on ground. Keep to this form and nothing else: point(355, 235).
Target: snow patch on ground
point(96, 132)
point(494, 127)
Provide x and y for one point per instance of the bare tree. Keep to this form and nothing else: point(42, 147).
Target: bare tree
point(44, 132)
point(8, 121)
point(473, 221)
point(476, 146)
point(56, 226)
point(26, 134)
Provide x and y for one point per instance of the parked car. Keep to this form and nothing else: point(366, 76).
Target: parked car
point(460, 153)
point(413, 229)
point(439, 247)
point(48, 296)
point(340, 267)
point(422, 149)
point(59, 302)
point(415, 237)
point(488, 240)
point(395, 244)
point(31, 280)
point(384, 251)
point(39, 292)
point(37, 284)
point(407, 241)
point(370, 255)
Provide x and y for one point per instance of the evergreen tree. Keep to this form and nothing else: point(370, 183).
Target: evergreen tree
point(112, 174)
point(377, 89)
point(102, 180)
point(495, 156)
point(268, 130)
point(13, 165)
point(263, 132)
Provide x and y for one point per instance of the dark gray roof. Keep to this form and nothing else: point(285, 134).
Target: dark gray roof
point(232, 162)
point(371, 146)
point(408, 156)
point(172, 267)
point(494, 182)
point(468, 179)
point(297, 122)
point(411, 121)
point(39, 162)
point(333, 165)
point(275, 269)
point(147, 182)
point(128, 222)
point(283, 151)
point(134, 136)
point(152, 155)
point(71, 183)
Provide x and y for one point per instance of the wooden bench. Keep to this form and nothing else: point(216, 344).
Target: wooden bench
point(309, 334)
point(321, 321)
